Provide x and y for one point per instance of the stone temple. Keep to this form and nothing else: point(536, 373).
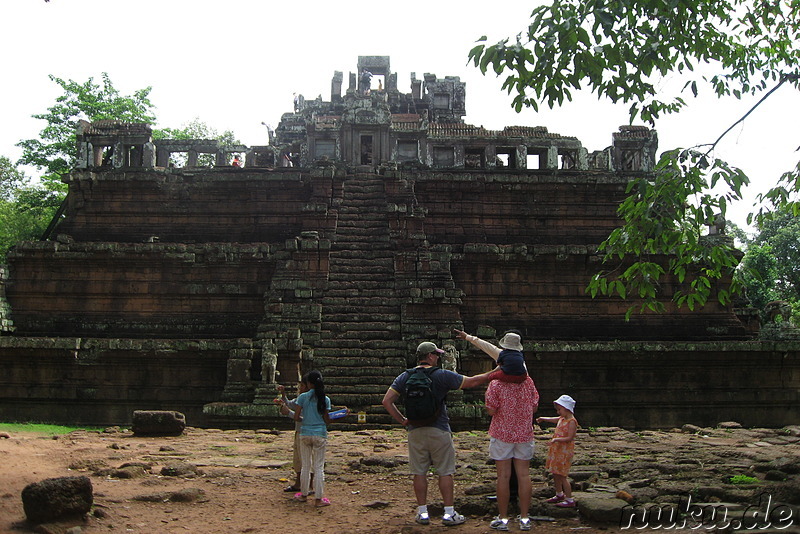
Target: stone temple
point(173, 279)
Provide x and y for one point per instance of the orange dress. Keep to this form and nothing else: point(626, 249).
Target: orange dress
point(560, 453)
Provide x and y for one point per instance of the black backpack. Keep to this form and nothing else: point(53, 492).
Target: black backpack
point(422, 407)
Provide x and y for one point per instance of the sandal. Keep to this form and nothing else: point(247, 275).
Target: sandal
point(323, 502)
point(290, 489)
point(299, 497)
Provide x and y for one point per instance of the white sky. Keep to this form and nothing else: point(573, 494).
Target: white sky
point(236, 63)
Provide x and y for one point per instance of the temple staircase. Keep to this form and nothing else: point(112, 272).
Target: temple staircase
point(361, 348)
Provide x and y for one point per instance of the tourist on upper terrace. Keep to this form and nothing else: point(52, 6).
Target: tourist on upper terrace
point(512, 407)
point(508, 356)
point(430, 443)
point(562, 449)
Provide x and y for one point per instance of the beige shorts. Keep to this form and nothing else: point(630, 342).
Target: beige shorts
point(500, 450)
point(429, 446)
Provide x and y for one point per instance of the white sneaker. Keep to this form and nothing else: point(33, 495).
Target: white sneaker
point(452, 520)
point(423, 518)
point(499, 524)
point(524, 523)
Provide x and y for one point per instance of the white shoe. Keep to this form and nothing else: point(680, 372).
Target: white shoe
point(452, 520)
point(499, 524)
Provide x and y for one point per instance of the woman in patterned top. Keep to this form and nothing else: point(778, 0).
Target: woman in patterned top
point(512, 407)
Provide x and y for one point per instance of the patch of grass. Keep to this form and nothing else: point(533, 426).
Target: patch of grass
point(41, 428)
point(742, 479)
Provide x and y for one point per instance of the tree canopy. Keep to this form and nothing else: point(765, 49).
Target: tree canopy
point(55, 150)
point(27, 206)
point(620, 50)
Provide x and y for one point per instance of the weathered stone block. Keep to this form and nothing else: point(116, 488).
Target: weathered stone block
point(56, 498)
point(158, 423)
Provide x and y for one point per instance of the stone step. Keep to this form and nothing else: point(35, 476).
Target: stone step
point(364, 212)
point(363, 279)
point(354, 336)
point(359, 326)
point(361, 315)
point(391, 352)
point(350, 310)
point(362, 224)
point(364, 371)
point(350, 300)
point(381, 256)
point(362, 247)
point(363, 237)
point(350, 362)
point(358, 294)
point(361, 265)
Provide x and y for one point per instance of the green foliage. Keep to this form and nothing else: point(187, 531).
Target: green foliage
point(770, 269)
point(11, 179)
point(661, 234)
point(742, 480)
point(41, 428)
point(55, 150)
point(195, 129)
point(25, 209)
point(620, 50)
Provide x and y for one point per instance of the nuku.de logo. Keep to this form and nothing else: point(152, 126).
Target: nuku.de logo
point(708, 516)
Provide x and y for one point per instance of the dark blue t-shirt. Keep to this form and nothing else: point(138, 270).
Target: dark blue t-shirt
point(443, 382)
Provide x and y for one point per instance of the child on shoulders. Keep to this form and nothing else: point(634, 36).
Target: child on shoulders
point(508, 356)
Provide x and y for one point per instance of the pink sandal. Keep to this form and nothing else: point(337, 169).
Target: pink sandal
point(323, 502)
point(299, 497)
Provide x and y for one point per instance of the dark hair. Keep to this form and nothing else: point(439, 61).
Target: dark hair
point(314, 379)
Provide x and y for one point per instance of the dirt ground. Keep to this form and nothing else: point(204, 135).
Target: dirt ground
point(239, 487)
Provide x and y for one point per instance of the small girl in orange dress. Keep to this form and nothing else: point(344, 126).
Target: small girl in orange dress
point(562, 448)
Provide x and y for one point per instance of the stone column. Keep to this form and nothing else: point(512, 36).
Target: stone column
point(239, 386)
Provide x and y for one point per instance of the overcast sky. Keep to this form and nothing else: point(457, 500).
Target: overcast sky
point(236, 63)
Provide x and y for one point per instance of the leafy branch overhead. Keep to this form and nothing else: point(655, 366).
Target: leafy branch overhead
point(621, 50)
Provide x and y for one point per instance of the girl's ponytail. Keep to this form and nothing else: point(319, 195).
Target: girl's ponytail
point(314, 379)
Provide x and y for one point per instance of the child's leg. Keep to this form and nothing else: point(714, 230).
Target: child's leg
point(499, 374)
point(567, 488)
point(318, 453)
point(305, 471)
point(558, 482)
point(297, 460)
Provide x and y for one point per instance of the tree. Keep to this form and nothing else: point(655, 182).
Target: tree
point(55, 151)
point(618, 49)
point(771, 266)
point(195, 129)
point(11, 179)
point(25, 209)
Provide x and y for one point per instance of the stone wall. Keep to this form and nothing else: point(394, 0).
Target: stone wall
point(199, 290)
point(102, 381)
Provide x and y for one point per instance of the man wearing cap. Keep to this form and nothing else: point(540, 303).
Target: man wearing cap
point(432, 445)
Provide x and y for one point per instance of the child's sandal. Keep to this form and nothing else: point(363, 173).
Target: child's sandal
point(323, 502)
point(299, 497)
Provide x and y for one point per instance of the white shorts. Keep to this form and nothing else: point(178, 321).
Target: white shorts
point(500, 450)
